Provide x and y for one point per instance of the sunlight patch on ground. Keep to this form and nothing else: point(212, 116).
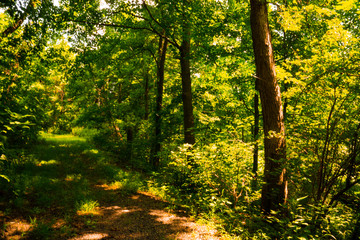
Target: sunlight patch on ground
point(196, 231)
point(94, 212)
point(109, 187)
point(62, 138)
point(116, 210)
point(15, 228)
point(91, 236)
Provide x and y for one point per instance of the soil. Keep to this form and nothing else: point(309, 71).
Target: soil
point(119, 215)
point(142, 216)
point(138, 215)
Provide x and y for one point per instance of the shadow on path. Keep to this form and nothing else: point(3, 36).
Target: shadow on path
point(55, 177)
point(141, 216)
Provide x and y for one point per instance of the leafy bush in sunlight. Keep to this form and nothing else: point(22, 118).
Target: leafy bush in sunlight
point(213, 179)
point(2, 167)
point(87, 133)
point(128, 182)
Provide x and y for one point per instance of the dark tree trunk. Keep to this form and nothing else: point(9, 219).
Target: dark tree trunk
point(274, 192)
point(146, 93)
point(189, 136)
point(159, 99)
point(129, 141)
point(256, 132)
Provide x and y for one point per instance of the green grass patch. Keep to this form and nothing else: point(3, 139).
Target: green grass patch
point(87, 207)
point(56, 179)
point(65, 138)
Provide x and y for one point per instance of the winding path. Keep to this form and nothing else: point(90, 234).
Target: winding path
point(68, 167)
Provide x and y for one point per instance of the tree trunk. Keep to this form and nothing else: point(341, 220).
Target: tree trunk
point(274, 192)
point(189, 136)
point(159, 99)
point(256, 132)
point(129, 141)
point(146, 93)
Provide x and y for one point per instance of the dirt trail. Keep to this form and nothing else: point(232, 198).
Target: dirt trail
point(136, 216)
point(142, 216)
point(62, 172)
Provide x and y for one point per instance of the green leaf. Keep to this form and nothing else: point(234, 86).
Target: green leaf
point(345, 5)
point(5, 177)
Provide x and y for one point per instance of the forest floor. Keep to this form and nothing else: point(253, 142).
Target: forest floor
point(64, 188)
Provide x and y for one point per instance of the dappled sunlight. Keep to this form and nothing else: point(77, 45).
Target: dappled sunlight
point(139, 216)
point(15, 227)
point(109, 187)
point(66, 197)
point(66, 138)
point(49, 162)
point(91, 236)
point(73, 177)
point(95, 211)
point(92, 151)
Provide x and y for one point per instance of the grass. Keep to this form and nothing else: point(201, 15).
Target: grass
point(87, 207)
point(54, 182)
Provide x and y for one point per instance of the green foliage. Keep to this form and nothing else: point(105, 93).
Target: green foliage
point(100, 84)
point(87, 133)
point(127, 182)
point(213, 181)
point(40, 230)
point(86, 206)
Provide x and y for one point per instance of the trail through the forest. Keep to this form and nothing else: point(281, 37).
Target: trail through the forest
point(71, 191)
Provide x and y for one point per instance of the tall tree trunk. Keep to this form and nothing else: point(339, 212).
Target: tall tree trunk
point(146, 93)
point(129, 141)
point(189, 136)
point(159, 99)
point(256, 132)
point(274, 191)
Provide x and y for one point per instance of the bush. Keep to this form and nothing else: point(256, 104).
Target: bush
point(213, 179)
point(87, 133)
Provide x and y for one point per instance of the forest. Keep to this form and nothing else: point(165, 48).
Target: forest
point(245, 114)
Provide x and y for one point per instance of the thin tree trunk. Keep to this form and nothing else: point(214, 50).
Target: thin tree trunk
point(274, 191)
point(256, 132)
point(189, 136)
point(129, 141)
point(159, 99)
point(146, 93)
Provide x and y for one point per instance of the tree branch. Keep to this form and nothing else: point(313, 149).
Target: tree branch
point(19, 21)
point(157, 22)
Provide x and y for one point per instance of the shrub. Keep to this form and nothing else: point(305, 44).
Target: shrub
point(214, 179)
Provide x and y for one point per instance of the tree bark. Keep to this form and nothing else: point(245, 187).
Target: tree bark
point(256, 132)
point(274, 191)
point(146, 95)
point(129, 141)
point(159, 100)
point(189, 136)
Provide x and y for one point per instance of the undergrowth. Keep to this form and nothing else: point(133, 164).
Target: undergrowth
point(212, 182)
point(54, 181)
